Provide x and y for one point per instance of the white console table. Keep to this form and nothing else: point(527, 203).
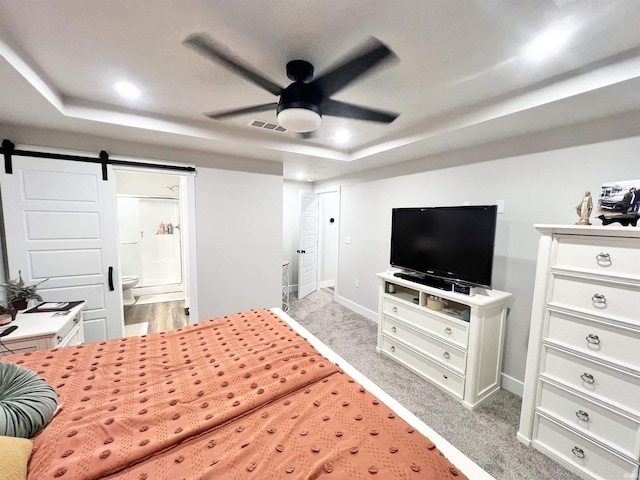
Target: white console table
point(458, 349)
point(41, 331)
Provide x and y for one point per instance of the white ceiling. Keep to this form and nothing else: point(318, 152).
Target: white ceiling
point(461, 80)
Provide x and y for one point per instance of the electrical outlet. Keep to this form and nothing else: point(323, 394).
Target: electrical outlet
point(357, 283)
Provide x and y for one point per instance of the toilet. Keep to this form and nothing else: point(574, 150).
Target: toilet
point(128, 282)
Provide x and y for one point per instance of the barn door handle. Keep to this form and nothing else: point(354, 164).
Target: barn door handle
point(111, 289)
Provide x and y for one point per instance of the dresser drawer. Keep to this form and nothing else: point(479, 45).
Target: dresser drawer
point(597, 297)
point(603, 340)
point(452, 357)
point(19, 347)
point(614, 429)
point(593, 378)
point(66, 330)
point(72, 338)
point(606, 256)
point(439, 375)
point(454, 331)
point(584, 455)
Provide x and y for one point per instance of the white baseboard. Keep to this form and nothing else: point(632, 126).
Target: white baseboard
point(359, 309)
point(512, 385)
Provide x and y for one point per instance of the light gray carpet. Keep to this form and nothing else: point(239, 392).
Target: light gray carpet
point(487, 435)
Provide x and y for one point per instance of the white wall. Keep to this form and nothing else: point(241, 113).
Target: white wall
point(239, 222)
point(538, 188)
point(151, 184)
point(291, 225)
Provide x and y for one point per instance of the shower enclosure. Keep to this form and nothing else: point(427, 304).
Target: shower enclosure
point(150, 242)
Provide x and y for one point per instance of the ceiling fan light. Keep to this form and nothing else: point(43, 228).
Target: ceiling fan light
point(299, 120)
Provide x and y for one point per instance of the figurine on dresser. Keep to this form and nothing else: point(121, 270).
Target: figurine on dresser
point(584, 209)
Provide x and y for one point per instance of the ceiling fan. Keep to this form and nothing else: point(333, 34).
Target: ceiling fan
point(303, 103)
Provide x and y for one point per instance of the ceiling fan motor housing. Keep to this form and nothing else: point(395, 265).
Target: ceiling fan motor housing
point(299, 70)
point(301, 95)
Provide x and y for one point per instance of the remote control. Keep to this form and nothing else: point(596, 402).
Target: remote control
point(7, 331)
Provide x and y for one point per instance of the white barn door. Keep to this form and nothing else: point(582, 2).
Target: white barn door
point(308, 252)
point(60, 224)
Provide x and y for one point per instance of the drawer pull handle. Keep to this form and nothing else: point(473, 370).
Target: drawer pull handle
point(578, 452)
point(59, 338)
point(603, 258)
point(446, 355)
point(447, 330)
point(587, 377)
point(395, 309)
point(393, 329)
point(593, 339)
point(582, 415)
point(445, 377)
point(599, 299)
point(392, 348)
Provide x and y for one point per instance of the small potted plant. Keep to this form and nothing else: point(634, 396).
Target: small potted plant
point(19, 294)
point(7, 315)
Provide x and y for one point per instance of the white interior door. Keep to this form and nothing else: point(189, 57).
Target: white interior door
point(308, 250)
point(60, 224)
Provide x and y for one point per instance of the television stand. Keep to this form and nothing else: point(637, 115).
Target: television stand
point(455, 342)
point(425, 280)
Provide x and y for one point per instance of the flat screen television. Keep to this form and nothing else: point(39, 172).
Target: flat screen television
point(454, 244)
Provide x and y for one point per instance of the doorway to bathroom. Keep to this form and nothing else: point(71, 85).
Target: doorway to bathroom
point(152, 244)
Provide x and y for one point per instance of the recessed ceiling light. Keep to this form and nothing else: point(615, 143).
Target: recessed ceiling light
point(127, 90)
point(547, 44)
point(342, 136)
point(300, 176)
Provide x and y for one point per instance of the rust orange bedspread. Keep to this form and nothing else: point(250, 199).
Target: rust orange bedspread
point(236, 397)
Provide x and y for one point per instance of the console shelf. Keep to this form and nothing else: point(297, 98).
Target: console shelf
point(458, 348)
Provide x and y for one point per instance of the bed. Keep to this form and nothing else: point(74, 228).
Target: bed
point(250, 395)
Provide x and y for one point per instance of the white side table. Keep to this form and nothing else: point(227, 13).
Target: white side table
point(41, 331)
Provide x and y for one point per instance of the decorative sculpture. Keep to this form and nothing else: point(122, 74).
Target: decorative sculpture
point(584, 209)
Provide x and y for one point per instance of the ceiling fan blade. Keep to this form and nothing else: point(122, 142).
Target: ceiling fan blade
point(368, 56)
point(242, 111)
point(348, 110)
point(201, 43)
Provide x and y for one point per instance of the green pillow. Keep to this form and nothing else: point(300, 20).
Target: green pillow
point(27, 402)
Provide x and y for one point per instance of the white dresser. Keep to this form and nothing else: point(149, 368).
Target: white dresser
point(459, 349)
point(581, 401)
point(41, 331)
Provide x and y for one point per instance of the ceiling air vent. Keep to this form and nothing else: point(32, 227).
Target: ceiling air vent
point(267, 126)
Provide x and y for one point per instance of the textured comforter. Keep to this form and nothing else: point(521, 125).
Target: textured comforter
point(235, 397)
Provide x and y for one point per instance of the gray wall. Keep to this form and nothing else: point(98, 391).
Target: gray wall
point(537, 188)
point(239, 223)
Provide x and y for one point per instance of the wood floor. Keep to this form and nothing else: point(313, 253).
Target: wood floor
point(161, 316)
